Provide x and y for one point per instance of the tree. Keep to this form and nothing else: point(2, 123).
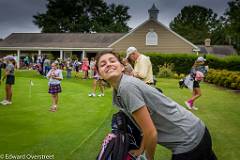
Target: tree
point(195, 23)
point(233, 22)
point(219, 35)
point(82, 16)
point(114, 20)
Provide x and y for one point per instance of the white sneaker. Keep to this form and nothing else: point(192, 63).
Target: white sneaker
point(8, 102)
point(188, 105)
point(194, 108)
point(101, 95)
point(5, 102)
point(92, 95)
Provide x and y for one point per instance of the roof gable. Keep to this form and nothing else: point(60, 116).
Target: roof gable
point(160, 24)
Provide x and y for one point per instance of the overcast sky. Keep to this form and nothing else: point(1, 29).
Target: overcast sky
point(16, 15)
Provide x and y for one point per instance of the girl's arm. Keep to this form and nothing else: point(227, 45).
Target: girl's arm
point(149, 141)
point(49, 74)
point(6, 72)
point(59, 76)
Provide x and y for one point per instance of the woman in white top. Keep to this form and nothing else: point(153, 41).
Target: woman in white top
point(55, 76)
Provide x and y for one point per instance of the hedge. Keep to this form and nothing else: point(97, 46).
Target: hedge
point(184, 62)
point(229, 79)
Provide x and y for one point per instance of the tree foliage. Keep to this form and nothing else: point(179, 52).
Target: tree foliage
point(195, 23)
point(233, 22)
point(82, 16)
point(219, 35)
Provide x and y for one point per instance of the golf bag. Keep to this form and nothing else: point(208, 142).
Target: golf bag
point(186, 82)
point(124, 137)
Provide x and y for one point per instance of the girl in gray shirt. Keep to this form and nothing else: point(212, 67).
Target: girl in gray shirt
point(160, 119)
point(10, 80)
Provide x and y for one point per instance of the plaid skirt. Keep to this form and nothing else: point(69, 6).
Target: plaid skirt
point(54, 88)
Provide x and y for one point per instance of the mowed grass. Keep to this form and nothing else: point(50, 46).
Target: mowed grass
point(77, 129)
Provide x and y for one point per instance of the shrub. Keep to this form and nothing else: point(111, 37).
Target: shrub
point(182, 76)
point(166, 70)
point(229, 79)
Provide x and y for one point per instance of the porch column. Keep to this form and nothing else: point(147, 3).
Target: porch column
point(83, 54)
point(39, 52)
point(61, 54)
point(18, 58)
point(39, 55)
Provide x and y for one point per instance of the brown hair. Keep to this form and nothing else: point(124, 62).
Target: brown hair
point(198, 63)
point(100, 54)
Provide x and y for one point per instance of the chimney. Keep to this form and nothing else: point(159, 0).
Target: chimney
point(207, 42)
point(153, 12)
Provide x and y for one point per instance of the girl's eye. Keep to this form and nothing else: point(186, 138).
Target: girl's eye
point(113, 60)
point(102, 64)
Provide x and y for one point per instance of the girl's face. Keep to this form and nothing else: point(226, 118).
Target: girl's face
point(54, 66)
point(109, 67)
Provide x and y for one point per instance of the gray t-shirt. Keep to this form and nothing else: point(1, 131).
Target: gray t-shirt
point(47, 62)
point(10, 69)
point(178, 129)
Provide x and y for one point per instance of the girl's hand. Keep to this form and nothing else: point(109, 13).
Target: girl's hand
point(135, 74)
point(53, 75)
point(136, 152)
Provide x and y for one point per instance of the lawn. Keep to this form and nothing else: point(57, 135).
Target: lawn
point(77, 129)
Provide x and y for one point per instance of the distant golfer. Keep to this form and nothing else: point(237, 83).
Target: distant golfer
point(55, 76)
point(10, 79)
point(198, 71)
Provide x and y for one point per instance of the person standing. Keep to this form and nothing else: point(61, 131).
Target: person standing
point(69, 68)
point(92, 66)
point(46, 65)
point(142, 65)
point(160, 119)
point(1, 66)
point(197, 73)
point(10, 79)
point(55, 76)
point(97, 81)
point(85, 67)
point(76, 65)
point(26, 62)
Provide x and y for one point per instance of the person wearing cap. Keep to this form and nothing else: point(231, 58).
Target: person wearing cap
point(142, 65)
point(197, 74)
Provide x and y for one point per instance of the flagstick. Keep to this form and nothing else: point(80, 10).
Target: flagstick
point(30, 89)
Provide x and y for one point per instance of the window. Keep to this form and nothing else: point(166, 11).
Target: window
point(151, 38)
